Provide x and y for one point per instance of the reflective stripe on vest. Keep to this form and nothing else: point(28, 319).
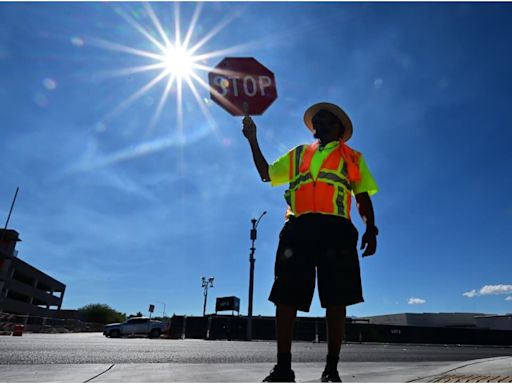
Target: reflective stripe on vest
point(330, 193)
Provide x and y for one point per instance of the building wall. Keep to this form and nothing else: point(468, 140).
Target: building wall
point(503, 323)
point(460, 320)
point(394, 319)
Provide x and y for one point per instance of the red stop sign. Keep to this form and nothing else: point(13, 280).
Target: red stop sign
point(238, 80)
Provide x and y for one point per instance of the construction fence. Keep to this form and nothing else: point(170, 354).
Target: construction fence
point(216, 327)
point(38, 324)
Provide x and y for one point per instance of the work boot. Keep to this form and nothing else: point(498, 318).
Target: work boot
point(280, 375)
point(331, 376)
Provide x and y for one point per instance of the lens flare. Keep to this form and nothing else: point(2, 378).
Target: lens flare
point(175, 60)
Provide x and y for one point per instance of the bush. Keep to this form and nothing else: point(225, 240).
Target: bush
point(101, 313)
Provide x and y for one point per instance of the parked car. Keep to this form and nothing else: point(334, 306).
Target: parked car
point(136, 326)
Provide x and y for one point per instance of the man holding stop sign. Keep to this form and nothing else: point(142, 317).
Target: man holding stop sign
point(318, 238)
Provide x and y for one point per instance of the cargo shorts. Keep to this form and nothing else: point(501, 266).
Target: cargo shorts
point(317, 245)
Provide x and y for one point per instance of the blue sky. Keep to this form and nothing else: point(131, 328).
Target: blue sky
point(127, 211)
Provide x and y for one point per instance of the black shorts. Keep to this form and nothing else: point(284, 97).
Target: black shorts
point(327, 244)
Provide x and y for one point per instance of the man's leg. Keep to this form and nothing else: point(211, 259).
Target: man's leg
point(335, 320)
point(285, 318)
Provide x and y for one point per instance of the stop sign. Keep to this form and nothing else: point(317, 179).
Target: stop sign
point(239, 80)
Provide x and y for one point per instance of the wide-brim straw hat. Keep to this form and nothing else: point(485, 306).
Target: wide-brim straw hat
point(334, 109)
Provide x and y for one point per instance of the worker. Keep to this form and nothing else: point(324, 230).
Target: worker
point(318, 239)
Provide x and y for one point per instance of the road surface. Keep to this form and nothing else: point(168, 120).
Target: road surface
point(94, 348)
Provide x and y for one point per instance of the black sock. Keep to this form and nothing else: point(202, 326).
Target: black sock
point(284, 360)
point(332, 362)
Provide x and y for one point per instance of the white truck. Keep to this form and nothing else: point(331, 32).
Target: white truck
point(136, 326)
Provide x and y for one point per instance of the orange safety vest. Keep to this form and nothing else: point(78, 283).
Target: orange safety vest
point(330, 192)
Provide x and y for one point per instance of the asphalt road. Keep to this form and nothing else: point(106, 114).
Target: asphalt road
point(94, 348)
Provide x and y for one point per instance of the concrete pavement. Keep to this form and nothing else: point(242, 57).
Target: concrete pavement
point(498, 369)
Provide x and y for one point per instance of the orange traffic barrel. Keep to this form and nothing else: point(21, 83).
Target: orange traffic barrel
point(18, 330)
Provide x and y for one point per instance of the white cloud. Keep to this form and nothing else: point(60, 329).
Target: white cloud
point(509, 298)
point(499, 289)
point(416, 300)
point(471, 293)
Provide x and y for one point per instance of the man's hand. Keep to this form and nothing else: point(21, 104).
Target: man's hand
point(249, 131)
point(369, 241)
point(249, 128)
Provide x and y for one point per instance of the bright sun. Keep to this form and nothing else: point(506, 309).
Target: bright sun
point(178, 62)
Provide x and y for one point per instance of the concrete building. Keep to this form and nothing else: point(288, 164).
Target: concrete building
point(445, 320)
point(24, 289)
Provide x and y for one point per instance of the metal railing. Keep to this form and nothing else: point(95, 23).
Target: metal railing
point(40, 324)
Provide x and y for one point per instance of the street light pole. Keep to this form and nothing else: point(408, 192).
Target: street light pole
point(205, 283)
point(251, 274)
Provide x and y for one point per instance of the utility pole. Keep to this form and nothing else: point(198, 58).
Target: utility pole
point(9, 216)
point(251, 274)
point(205, 284)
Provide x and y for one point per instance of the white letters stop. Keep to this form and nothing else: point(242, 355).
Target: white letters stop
point(250, 85)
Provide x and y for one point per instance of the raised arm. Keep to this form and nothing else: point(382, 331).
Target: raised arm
point(249, 131)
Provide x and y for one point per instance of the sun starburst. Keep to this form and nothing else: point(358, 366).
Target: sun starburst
point(175, 60)
point(178, 62)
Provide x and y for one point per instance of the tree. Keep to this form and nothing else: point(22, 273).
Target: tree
point(138, 314)
point(101, 313)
